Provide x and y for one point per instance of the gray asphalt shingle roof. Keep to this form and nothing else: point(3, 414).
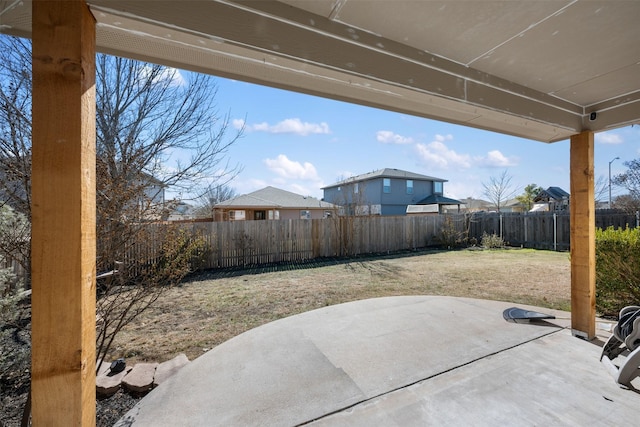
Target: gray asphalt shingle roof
point(386, 173)
point(555, 193)
point(439, 199)
point(271, 197)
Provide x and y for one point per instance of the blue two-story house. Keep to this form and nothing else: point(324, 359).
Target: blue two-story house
point(386, 192)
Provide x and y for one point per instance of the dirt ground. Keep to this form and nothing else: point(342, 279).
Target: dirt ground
point(214, 307)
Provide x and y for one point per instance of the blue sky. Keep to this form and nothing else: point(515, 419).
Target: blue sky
point(301, 143)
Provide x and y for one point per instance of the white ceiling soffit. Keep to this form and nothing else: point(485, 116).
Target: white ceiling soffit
point(534, 69)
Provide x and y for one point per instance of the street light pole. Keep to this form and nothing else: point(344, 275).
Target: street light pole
point(610, 179)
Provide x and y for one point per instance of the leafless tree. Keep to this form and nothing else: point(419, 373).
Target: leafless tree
point(155, 128)
point(601, 189)
point(15, 124)
point(499, 189)
point(629, 180)
point(626, 203)
point(212, 196)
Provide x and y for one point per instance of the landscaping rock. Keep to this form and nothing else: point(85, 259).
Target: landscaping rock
point(103, 368)
point(140, 379)
point(168, 368)
point(108, 384)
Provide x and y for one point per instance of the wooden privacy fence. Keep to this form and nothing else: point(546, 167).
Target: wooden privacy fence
point(544, 230)
point(540, 230)
point(249, 243)
point(243, 243)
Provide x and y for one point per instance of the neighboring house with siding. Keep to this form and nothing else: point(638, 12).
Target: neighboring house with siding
point(552, 199)
point(272, 203)
point(386, 192)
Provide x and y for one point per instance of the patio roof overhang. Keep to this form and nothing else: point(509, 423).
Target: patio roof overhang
point(537, 70)
point(545, 71)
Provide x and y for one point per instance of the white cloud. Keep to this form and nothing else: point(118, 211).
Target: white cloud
point(437, 155)
point(388, 137)
point(238, 123)
point(300, 178)
point(495, 159)
point(293, 126)
point(290, 169)
point(442, 138)
point(173, 75)
point(609, 138)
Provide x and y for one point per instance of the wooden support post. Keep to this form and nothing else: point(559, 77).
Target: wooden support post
point(583, 244)
point(63, 214)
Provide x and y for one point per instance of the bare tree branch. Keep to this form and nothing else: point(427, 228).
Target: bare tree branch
point(155, 128)
point(629, 180)
point(499, 189)
point(212, 196)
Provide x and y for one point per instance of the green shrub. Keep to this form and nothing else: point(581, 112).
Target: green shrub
point(491, 241)
point(617, 269)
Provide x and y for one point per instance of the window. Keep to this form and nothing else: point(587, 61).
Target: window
point(355, 188)
point(274, 214)
point(409, 186)
point(305, 214)
point(386, 185)
point(236, 215)
point(437, 187)
point(259, 215)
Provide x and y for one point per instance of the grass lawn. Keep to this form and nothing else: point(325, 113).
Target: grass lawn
point(216, 306)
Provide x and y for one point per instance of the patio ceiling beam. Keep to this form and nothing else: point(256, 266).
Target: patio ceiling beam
point(63, 215)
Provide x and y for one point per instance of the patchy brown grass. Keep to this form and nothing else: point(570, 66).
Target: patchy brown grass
point(203, 313)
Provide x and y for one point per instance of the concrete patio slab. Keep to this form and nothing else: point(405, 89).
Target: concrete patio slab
point(420, 360)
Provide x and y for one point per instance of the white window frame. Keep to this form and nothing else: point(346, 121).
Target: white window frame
point(386, 188)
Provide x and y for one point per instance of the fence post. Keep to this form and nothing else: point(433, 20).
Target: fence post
point(555, 231)
point(637, 219)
